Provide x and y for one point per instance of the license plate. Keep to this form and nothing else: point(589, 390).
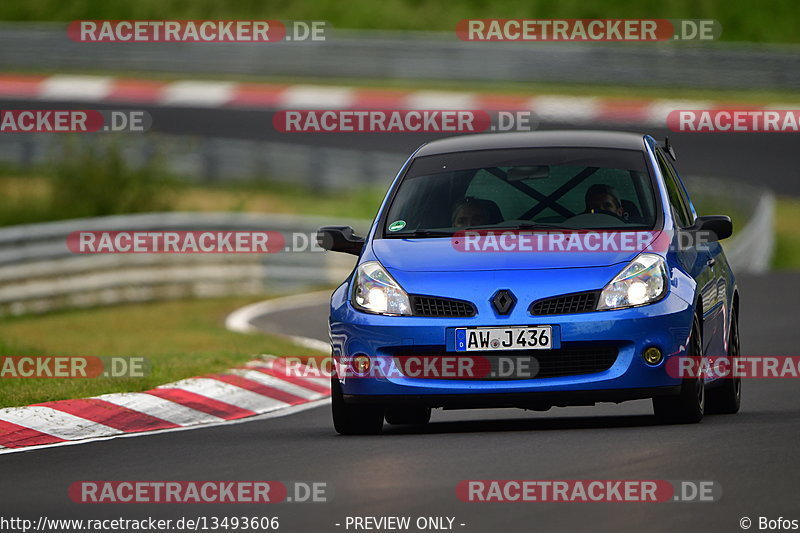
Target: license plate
point(499, 338)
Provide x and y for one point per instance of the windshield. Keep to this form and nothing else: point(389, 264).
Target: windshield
point(541, 188)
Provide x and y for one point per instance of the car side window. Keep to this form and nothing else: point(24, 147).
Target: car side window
point(680, 205)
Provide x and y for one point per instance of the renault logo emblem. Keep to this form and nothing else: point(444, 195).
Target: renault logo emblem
point(503, 301)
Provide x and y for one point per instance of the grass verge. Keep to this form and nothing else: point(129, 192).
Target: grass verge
point(26, 199)
point(266, 197)
point(89, 181)
point(775, 21)
point(180, 338)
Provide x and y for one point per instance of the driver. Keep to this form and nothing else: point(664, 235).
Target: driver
point(473, 211)
point(602, 198)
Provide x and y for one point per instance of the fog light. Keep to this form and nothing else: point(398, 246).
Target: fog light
point(652, 355)
point(361, 364)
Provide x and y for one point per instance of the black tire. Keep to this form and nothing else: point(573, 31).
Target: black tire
point(688, 406)
point(410, 415)
point(726, 399)
point(354, 419)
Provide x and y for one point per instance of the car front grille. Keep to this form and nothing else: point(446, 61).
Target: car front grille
point(518, 364)
point(579, 302)
point(441, 307)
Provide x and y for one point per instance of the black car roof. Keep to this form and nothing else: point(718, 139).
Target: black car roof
point(535, 139)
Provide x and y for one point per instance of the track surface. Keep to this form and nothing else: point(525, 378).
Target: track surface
point(764, 159)
point(753, 455)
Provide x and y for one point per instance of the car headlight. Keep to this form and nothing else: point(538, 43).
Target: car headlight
point(643, 281)
point(376, 292)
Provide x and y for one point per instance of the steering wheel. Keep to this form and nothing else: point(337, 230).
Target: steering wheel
point(609, 213)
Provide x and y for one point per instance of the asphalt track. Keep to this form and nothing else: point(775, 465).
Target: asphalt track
point(763, 159)
point(752, 455)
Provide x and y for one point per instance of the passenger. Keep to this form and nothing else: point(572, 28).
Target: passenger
point(602, 198)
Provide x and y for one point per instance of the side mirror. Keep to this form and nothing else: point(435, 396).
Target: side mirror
point(667, 147)
point(713, 227)
point(340, 239)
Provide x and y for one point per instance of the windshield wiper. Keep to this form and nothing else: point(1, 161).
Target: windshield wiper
point(531, 225)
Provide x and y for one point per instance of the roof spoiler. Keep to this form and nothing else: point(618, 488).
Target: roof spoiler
point(669, 149)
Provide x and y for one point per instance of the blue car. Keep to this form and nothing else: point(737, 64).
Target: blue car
point(533, 270)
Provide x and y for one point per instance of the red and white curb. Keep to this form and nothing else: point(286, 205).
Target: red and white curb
point(262, 388)
point(214, 94)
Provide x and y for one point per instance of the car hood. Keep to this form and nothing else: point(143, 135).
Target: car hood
point(440, 255)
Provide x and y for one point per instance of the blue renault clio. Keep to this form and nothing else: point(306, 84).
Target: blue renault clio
point(532, 270)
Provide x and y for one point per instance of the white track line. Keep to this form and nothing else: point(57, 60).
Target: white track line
point(313, 344)
point(240, 320)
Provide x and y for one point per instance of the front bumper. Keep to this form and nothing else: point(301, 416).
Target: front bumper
point(524, 400)
point(665, 325)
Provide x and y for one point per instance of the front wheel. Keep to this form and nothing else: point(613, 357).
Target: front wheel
point(726, 398)
point(688, 406)
point(354, 419)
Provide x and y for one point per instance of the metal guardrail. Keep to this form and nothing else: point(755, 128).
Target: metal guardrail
point(419, 56)
point(38, 273)
point(750, 248)
point(209, 159)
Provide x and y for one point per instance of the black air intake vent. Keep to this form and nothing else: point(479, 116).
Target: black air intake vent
point(579, 302)
point(441, 307)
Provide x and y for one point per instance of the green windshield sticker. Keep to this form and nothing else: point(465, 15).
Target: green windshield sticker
point(397, 225)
